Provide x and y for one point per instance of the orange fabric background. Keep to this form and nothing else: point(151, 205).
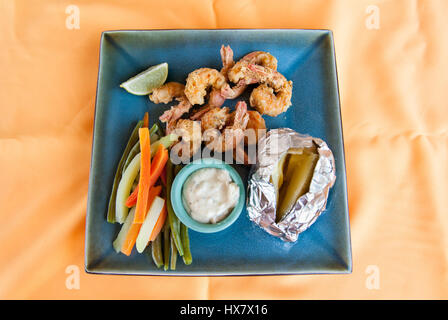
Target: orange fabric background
point(394, 107)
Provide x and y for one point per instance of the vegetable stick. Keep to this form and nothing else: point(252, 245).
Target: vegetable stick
point(132, 199)
point(188, 259)
point(136, 148)
point(118, 243)
point(145, 172)
point(120, 169)
point(146, 120)
point(157, 166)
point(173, 254)
point(124, 188)
point(134, 229)
point(173, 220)
point(131, 236)
point(159, 224)
point(153, 193)
point(166, 246)
point(156, 251)
point(154, 212)
point(166, 141)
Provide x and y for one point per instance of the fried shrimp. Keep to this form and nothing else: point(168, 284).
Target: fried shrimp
point(240, 72)
point(216, 118)
point(273, 95)
point(199, 81)
point(227, 59)
point(260, 74)
point(165, 94)
point(231, 93)
point(233, 132)
point(191, 137)
point(257, 124)
point(271, 102)
point(228, 92)
point(261, 58)
point(215, 100)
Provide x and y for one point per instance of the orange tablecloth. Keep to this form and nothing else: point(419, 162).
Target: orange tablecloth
point(392, 63)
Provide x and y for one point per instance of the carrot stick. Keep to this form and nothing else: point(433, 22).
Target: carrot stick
point(132, 199)
point(146, 120)
point(159, 224)
point(145, 173)
point(153, 193)
point(132, 234)
point(131, 237)
point(157, 166)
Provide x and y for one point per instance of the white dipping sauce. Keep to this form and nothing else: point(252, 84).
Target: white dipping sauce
point(210, 195)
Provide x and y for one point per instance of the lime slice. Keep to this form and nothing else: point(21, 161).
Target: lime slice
point(145, 82)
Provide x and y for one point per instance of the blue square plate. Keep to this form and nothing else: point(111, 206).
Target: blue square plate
point(307, 58)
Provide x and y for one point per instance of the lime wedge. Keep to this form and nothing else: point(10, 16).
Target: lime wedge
point(145, 82)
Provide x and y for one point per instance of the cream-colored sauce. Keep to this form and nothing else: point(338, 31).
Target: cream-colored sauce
point(210, 195)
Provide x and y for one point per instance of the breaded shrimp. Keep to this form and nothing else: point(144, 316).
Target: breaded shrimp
point(215, 100)
point(274, 94)
point(174, 113)
point(261, 58)
point(227, 59)
point(216, 118)
point(231, 93)
point(266, 101)
point(165, 94)
point(191, 136)
point(239, 73)
point(257, 124)
point(260, 74)
point(233, 133)
point(199, 81)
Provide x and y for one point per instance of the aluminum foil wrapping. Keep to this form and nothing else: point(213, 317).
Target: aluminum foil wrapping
point(261, 202)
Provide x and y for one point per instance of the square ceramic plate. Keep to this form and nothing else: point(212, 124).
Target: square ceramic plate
point(304, 56)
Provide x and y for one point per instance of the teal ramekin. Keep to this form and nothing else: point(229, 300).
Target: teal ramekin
point(178, 203)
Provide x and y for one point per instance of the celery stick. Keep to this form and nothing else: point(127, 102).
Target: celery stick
point(124, 189)
point(166, 141)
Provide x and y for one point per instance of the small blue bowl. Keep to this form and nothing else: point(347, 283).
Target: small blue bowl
point(178, 203)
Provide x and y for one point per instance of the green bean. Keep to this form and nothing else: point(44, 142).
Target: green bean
point(154, 129)
point(177, 168)
point(173, 220)
point(188, 259)
point(160, 130)
point(156, 251)
point(173, 254)
point(131, 142)
point(134, 151)
point(166, 246)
